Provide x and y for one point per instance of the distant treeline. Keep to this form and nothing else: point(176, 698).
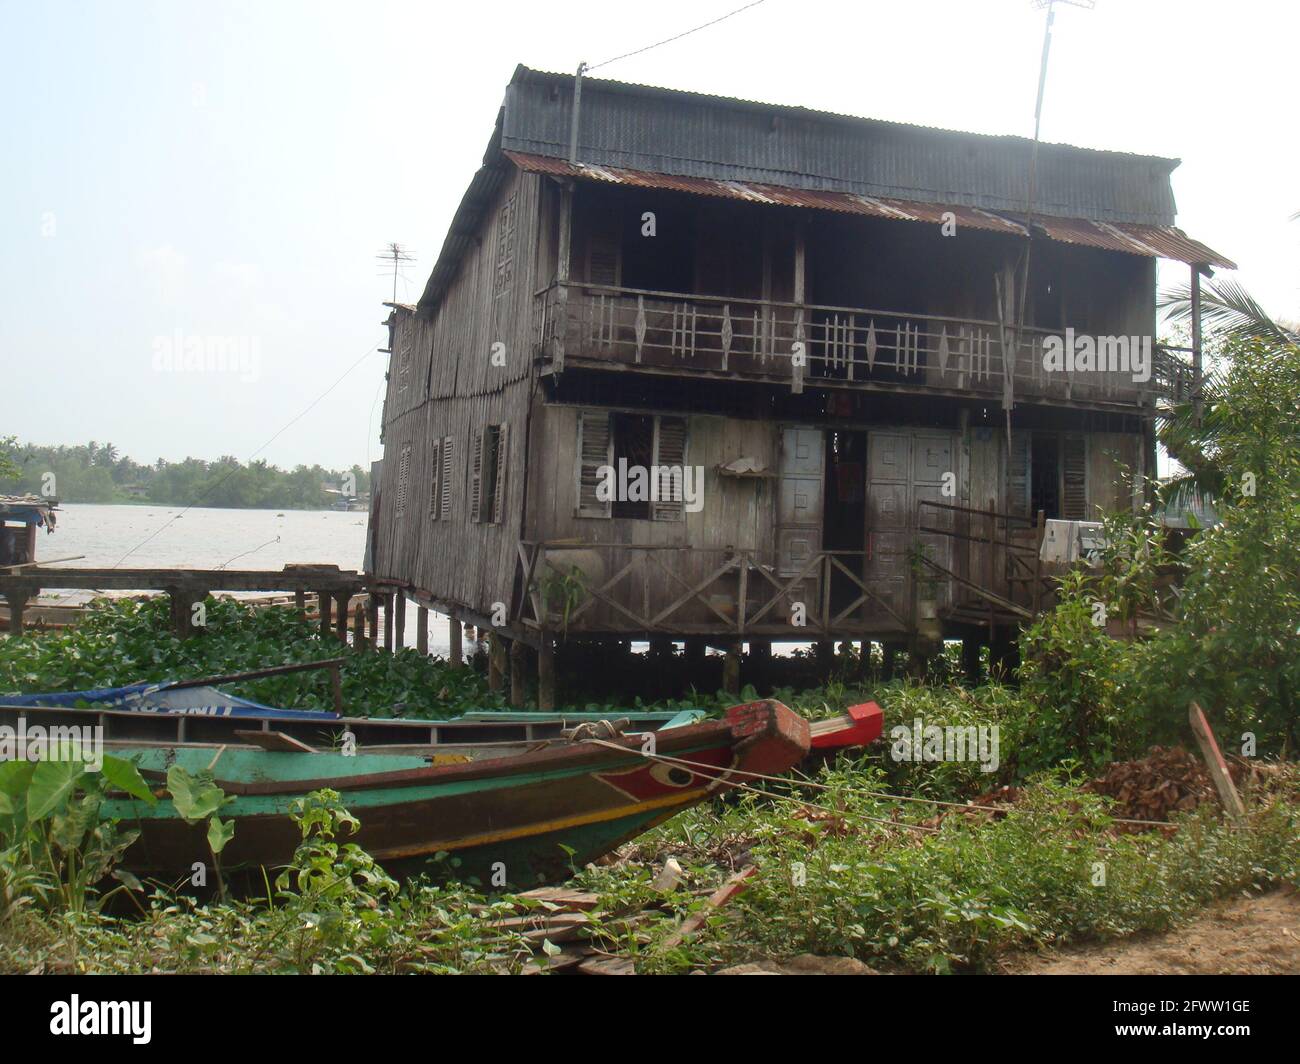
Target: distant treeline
point(96, 472)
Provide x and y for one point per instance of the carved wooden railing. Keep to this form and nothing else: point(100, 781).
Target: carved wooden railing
point(683, 590)
point(796, 343)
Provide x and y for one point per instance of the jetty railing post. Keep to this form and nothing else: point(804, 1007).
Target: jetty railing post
point(399, 621)
point(342, 608)
point(182, 600)
point(422, 630)
point(455, 656)
point(372, 620)
point(323, 608)
point(16, 603)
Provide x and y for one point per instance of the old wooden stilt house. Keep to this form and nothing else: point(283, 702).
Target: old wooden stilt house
point(717, 371)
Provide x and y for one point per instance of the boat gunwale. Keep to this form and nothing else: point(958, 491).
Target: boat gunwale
point(736, 727)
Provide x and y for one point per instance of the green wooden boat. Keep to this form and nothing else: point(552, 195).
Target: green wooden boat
point(530, 818)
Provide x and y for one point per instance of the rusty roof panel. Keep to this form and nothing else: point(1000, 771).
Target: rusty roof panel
point(773, 195)
point(1154, 241)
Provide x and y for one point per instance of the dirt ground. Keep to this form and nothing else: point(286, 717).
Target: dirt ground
point(1240, 936)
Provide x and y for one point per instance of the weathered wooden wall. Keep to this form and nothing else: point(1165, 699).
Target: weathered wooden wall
point(445, 382)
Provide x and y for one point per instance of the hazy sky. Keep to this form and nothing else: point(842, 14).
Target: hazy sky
point(179, 170)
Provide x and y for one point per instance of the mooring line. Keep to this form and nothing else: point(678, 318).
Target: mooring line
point(853, 790)
point(754, 790)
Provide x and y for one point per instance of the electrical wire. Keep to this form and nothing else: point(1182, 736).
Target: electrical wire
point(677, 37)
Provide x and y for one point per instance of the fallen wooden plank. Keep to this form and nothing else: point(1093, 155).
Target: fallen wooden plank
point(597, 965)
point(733, 886)
point(1214, 762)
point(565, 897)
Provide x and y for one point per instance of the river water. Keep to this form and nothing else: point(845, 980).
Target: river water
point(160, 537)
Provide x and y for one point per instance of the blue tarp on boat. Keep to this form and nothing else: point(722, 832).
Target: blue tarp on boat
point(162, 698)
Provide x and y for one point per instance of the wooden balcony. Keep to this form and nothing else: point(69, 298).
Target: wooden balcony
point(801, 345)
point(639, 590)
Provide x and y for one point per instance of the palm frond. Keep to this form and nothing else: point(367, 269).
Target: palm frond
point(1227, 308)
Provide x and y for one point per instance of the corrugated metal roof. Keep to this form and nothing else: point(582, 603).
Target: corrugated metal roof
point(713, 145)
point(1165, 242)
point(663, 131)
point(1153, 241)
point(774, 195)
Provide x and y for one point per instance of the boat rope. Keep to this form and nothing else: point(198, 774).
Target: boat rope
point(966, 807)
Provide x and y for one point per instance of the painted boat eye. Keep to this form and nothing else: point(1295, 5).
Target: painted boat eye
point(671, 775)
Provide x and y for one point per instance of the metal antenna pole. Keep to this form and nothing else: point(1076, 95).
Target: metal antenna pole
point(573, 119)
point(398, 255)
point(1031, 189)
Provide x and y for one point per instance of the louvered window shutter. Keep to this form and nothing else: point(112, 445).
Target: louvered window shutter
point(1074, 500)
point(499, 481)
point(1018, 475)
point(604, 257)
point(669, 468)
point(476, 477)
point(444, 507)
point(403, 480)
point(435, 496)
point(595, 449)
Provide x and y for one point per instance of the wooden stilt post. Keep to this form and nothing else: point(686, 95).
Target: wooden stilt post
point(422, 630)
point(359, 626)
point(888, 661)
point(864, 658)
point(323, 609)
point(399, 621)
point(731, 668)
point(970, 659)
point(518, 673)
point(496, 662)
point(546, 673)
point(455, 656)
point(300, 603)
point(388, 622)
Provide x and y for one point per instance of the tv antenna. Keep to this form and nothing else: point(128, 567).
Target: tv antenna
point(396, 256)
point(1031, 189)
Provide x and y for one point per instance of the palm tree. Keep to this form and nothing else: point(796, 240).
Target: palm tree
point(1228, 310)
point(1190, 431)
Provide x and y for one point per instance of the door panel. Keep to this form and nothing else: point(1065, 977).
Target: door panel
point(907, 467)
point(800, 498)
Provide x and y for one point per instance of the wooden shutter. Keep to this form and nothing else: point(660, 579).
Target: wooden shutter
point(669, 450)
point(444, 507)
point(476, 476)
point(595, 449)
point(604, 259)
point(403, 480)
point(499, 481)
point(435, 495)
point(1074, 478)
point(1018, 475)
